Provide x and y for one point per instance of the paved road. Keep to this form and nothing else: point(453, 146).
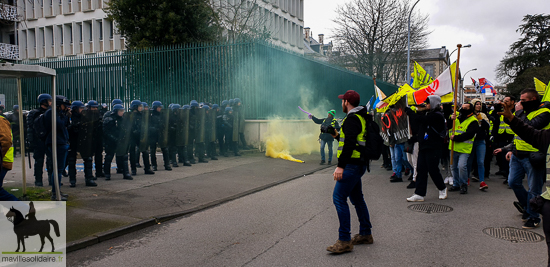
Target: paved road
point(292, 224)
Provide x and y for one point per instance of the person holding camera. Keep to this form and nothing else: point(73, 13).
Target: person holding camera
point(328, 125)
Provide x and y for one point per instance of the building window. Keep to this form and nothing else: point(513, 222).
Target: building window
point(91, 32)
point(111, 30)
point(71, 32)
point(80, 31)
point(429, 68)
point(100, 24)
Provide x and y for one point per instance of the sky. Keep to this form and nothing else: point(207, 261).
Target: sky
point(488, 25)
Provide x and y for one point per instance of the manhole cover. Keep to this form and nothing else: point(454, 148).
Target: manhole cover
point(430, 208)
point(513, 235)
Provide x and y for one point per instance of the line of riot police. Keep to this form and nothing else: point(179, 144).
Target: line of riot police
point(183, 134)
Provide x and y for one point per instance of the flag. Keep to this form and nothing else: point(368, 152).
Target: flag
point(368, 105)
point(540, 87)
point(379, 97)
point(546, 96)
point(441, 86)
point(475, 84)
point(420, 77)
point(486, 86)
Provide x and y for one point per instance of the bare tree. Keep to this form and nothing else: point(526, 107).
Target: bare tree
point(373, 36)
point(244, 19)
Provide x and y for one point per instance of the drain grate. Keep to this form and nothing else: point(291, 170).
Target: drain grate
point(513, 235)
point(430, 208)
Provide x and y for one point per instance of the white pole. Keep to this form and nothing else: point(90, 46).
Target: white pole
point(54, 142)
point(22, 136)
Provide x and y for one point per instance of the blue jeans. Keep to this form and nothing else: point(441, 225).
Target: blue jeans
point(535, 179)
point(460, 168)
point(479, 150)
point(323, 150)
point(62, 151)
point(5, 195)
point(350, 186)
point(397, 154)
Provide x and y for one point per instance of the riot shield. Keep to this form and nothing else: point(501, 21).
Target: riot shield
point(164, 128)
point(212, 115)
point(241, 119)
point(144, 132)
point(125, 130)
point(86, 133)
point(183, 128)
point(235, 126)
point(201, 124)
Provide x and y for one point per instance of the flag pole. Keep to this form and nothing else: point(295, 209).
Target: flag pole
point(455, 104)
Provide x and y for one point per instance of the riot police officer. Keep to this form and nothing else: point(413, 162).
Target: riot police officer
point(35, 144)
point(238, 113)
point(77, 129)
point(136, 139)
point(174, 120)
point(158, 135)
point(228, 126)
point(192, 131)
point(114, 132)
point(97, 137)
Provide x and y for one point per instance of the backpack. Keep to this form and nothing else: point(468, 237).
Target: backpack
point(40, 128)
point(373, 142)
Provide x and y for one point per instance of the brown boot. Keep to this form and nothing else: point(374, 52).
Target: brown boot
point(362, 239)
point(341, 247)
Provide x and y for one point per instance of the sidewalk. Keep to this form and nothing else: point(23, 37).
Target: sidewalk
point(121, 206)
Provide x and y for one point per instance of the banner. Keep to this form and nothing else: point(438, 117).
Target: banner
point(394, 123)
point(540, 86)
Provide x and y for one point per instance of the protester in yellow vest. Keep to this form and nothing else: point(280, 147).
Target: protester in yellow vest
point(348, 175)
point(540, 139)
point(466, 127)
point(527, 160)
point(6, 142)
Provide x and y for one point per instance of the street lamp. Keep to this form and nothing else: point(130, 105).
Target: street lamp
point(466, 46)
point(409, 43)
point(462, 83)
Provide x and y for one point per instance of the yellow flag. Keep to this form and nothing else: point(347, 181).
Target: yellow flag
point(448, 98)
point(420, 76)
point(546, 96)
point(453, 74)
point(540, 86)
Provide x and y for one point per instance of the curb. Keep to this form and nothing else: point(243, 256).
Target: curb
point(116, 232)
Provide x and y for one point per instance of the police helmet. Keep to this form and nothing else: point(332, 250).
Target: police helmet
point(116, 101)
point(134, 105)
point(194, 103)
point(205, 107)
point(144, 104)
point(186, 107)
point(93, 104)
point(175, 106)
point(43, 98)
point(77, 104)
point(215, 106)
point(225, 103)
point(118, 107)
point(237, 101)
point(231, 102)
point(61, 100)
point(157, 104)
point(227, 109)
point(15, 107)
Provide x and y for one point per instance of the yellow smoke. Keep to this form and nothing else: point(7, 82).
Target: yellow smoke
point(298, 137)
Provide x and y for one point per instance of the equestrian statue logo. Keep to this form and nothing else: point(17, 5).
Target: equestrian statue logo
point(29, 226)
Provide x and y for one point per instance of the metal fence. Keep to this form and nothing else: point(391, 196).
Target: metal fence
point(266, 78)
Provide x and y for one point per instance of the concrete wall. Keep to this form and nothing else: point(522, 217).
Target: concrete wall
point(255, 130)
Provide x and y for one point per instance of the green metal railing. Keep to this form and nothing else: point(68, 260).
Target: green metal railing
point(266, 78)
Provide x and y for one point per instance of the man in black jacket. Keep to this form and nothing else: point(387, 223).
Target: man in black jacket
point(326, 138)
point(430, 134)
point(348, 175)
point(35, 144)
